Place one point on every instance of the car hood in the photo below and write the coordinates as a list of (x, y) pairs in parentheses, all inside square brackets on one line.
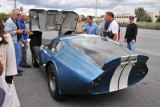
[(52, 20)]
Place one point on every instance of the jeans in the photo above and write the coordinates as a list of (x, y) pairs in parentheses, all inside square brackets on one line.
[(18, 53), (132, 46), (24, 53)]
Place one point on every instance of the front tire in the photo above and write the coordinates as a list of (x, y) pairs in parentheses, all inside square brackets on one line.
[(53, 82)]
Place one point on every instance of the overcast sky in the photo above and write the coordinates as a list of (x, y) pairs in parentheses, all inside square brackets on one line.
[(85, 7)]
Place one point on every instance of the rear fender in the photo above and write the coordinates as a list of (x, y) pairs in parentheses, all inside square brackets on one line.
[(46, 69), (120, 73)]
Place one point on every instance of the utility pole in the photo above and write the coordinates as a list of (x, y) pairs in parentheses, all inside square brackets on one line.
[(152, 16), (21, 9), (96, 11), (15, 4), (55, 4), (123, 16)]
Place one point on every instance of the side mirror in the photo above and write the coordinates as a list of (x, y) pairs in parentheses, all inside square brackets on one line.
[(54, 50)]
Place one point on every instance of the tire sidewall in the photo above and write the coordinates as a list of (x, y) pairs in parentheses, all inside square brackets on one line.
[(35, 63), (54, 94)]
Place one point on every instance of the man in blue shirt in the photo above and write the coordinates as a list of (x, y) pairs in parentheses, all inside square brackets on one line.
[(90, 27), (24, 42)]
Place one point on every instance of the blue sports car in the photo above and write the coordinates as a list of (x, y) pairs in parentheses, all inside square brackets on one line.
[(82, 63)]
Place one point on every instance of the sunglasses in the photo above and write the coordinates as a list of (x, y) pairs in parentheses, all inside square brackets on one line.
[(18, 14)]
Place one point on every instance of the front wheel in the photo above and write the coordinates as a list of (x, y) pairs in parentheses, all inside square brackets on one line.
[(53, 82)]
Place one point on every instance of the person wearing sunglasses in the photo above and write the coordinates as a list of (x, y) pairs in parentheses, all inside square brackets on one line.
[(21, 22), (13, 28)]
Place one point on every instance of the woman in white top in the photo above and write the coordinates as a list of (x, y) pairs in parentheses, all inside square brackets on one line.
[(2, 93), (9, 70)]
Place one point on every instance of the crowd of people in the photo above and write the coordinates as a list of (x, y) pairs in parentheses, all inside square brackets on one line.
[(13, 53), (13, 47), (110, 28)]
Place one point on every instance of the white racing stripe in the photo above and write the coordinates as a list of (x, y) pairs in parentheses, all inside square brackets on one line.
[(119, 79), (115, 79), (123, 82)]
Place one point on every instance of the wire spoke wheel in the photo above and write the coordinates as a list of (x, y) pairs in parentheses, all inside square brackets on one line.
[(52, 82)]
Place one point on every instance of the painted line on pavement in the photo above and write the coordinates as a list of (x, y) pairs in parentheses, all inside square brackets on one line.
[(149, 52)]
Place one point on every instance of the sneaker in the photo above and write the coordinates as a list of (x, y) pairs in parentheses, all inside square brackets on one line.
[(26, 66), (19, 74), (19, 71)]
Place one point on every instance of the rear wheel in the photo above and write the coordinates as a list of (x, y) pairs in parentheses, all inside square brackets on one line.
[(34, 61), (35, 51), (53, 83)]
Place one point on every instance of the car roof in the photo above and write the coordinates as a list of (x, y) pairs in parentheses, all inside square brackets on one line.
[(98, 49)]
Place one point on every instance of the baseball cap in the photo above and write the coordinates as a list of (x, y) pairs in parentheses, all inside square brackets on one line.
[(131, 17)]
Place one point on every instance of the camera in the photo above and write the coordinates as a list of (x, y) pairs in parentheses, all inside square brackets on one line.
[(105, 33), (24, 32)]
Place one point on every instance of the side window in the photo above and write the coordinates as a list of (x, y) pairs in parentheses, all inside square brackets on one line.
[(59, 45), (56, 46)]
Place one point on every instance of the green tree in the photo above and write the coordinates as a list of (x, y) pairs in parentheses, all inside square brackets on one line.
[(4, 16), (83, 18), (102, 15), (93, 16), (148, 18), (158, 20), (141, 14)]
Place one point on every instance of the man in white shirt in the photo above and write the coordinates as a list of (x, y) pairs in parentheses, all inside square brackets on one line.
[(113, 28)]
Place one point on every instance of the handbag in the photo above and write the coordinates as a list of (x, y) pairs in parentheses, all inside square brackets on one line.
[(1, 64), (110, 34)]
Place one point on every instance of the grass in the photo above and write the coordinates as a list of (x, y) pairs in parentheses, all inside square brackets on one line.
[(144, 25)]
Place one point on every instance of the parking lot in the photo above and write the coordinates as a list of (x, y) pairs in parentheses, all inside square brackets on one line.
[(32, 87)]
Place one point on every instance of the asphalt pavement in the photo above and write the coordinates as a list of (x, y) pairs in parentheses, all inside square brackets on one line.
[(32, 87)]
